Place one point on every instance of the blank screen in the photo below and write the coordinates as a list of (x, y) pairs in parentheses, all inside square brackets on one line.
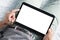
[(34, 19)]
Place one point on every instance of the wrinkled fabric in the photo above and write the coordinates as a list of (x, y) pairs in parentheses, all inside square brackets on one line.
[(12, 34)]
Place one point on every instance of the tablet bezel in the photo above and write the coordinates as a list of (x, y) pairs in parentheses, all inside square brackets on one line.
[(32, 30)]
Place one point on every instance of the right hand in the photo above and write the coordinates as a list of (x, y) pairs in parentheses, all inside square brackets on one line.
[(49, 35)]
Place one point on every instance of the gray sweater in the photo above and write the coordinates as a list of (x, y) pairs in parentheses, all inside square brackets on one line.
[(12, 34)]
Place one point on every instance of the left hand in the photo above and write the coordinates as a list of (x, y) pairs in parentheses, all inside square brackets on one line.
[(9, 18), (12, 15)]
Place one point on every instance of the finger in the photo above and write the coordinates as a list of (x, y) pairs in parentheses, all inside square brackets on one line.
[(12, 16), (50, 34), (45, 38), (15, 10), (50, 31)]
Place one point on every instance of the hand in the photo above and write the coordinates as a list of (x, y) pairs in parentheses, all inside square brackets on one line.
[(12, 15), (49, 35)]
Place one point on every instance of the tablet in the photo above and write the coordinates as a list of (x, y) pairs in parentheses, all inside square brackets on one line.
[(34, 18)]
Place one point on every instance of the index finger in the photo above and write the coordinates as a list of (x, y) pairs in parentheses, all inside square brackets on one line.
[(15, 10)]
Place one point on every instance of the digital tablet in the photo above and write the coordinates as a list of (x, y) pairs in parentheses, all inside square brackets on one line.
[(34, 19)]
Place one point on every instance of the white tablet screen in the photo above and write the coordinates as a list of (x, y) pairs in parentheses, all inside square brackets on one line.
[(34, 19)]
